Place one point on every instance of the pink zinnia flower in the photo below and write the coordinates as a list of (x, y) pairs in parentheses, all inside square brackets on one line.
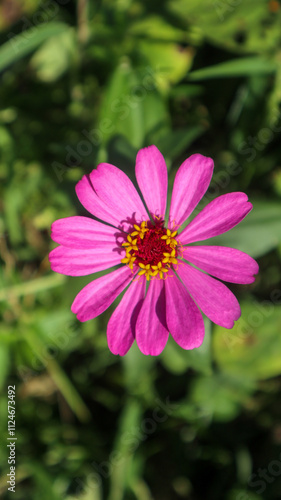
[(164, 291)]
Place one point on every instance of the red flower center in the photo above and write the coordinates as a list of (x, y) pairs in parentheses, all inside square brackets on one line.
[(152, 248)]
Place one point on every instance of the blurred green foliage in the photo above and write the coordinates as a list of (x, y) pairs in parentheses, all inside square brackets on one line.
[(84, 82)]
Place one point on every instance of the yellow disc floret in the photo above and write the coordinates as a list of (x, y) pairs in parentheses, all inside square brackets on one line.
[(152, 249), (169, 237)]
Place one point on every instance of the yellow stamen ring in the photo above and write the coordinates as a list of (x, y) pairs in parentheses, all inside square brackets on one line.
[(145, 250)]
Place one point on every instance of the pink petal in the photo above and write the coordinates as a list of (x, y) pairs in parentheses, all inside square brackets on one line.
[(225, 263), (83, 232), (219, 216), (151, 327), (190, 185), (152, 177), (184, 319), (98, 295), (212, 296), (97, 207), (84, 261), (118, 192), (121, 326)]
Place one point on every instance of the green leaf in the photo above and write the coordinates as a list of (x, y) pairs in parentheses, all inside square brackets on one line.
[(26, 42), (176, 142), (50, 63), (4, 362), (161, 44), (246, 66), (169, 62), (156, 117), (126, 443), (14, 200), (44, 482), (252, 348), (7, 147), (121, 111), (243, 26), (32, 287), (131, 107), (58, 375), (156, 28), (258, 233), (239, 494), (274, 101), (221, 396)]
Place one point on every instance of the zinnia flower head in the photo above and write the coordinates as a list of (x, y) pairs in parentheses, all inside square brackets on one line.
[(156, 261)]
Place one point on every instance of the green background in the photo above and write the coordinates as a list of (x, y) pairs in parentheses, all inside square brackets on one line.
[(85, 82)]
